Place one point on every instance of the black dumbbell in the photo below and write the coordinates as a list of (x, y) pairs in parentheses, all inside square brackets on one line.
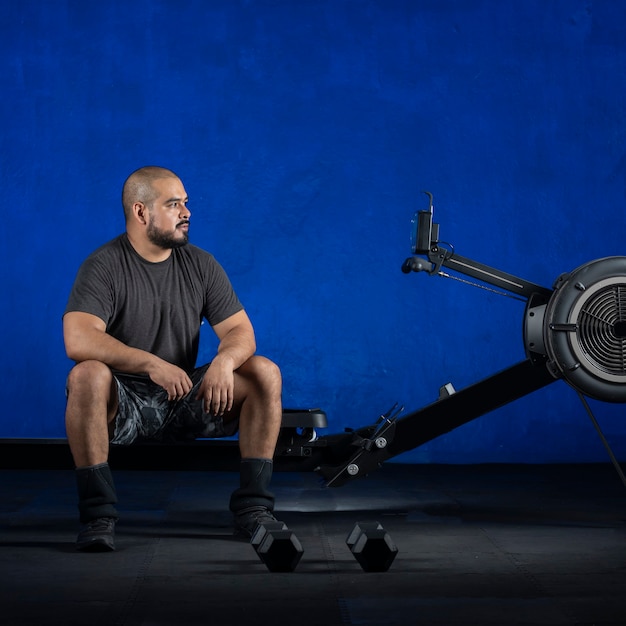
[(372, 546), (277, 546)]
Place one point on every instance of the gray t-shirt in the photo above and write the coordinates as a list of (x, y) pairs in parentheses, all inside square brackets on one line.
[(157, 307)]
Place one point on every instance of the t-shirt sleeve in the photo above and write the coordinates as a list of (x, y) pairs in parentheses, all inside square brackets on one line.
[(221, 301), (92, 291)]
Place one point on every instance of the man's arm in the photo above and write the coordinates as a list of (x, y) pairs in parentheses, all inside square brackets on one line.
[(237, 344), (86, 339)]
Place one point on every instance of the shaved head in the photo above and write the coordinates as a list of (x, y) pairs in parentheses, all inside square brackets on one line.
[(139, 187)]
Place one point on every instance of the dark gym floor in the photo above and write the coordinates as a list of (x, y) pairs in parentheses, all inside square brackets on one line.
[(486, 545)]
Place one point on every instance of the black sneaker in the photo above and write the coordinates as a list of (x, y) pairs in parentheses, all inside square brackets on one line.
[(97, 535), (248, 520)]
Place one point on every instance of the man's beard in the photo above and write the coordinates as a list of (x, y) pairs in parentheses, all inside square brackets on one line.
[(166, 240)]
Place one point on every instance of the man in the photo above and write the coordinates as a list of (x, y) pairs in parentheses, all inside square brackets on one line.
[(132, 326)]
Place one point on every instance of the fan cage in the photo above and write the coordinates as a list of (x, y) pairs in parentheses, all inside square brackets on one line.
[(601, 329)]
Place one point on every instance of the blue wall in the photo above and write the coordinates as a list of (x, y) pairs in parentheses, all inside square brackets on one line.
[(305, 132)]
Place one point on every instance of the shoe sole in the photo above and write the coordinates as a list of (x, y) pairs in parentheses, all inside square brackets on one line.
[(96, 545)]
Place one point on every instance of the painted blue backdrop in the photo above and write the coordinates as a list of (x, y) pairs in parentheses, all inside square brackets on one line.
[(305, 132)]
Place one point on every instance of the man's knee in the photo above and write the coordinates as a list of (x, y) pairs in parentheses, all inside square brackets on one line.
[(89, 375), (264, 373)]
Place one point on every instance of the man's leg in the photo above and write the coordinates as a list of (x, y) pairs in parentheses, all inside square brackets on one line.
[(258, 402), (91, 405)]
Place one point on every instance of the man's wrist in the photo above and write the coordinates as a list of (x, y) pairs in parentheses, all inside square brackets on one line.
[(223, 359)]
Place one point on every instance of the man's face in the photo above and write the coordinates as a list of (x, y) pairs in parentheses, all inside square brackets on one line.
[(168, 216)]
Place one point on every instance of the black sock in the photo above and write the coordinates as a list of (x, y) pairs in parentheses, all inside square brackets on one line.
[(255, 477), (96, 492)]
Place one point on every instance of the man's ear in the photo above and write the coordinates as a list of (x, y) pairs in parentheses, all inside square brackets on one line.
[(140, 212)]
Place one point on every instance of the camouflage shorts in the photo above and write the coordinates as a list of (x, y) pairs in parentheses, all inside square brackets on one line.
[(144, 412)]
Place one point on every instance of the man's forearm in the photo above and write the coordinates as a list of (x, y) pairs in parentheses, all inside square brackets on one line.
[(115, 354), (84, 342), (86, 339), (237, 346)]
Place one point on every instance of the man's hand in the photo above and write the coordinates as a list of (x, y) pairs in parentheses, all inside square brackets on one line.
[(217, 389), (173, 379), (237, 345)]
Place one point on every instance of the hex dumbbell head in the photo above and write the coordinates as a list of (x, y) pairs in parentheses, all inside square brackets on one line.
[(277, 546), (263, 529), (358, 529), (372, 546)]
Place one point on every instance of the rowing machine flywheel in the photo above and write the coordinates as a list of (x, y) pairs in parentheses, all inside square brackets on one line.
[(582, 329)]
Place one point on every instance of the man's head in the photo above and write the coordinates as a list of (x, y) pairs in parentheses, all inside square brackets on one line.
[(155, 206)]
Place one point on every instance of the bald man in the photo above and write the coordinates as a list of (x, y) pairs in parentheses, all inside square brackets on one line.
[(132, 327)]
